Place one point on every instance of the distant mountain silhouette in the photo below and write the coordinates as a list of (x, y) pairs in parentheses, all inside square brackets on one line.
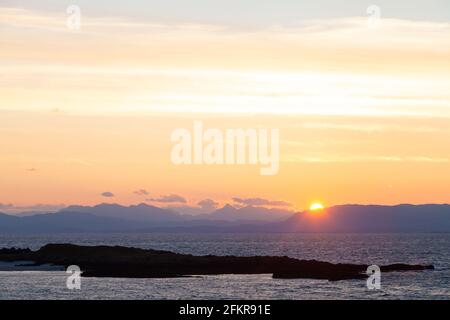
[(372, 218), (145, 218), (141, 212), (148, 213), (249, 213), (64, 222)]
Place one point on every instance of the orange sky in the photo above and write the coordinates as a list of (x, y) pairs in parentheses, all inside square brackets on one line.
[(363, 114)]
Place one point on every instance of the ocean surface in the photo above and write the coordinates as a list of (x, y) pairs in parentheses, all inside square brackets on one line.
[(353, 248)]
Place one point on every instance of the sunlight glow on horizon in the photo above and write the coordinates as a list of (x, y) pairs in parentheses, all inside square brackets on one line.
[(316, 206)]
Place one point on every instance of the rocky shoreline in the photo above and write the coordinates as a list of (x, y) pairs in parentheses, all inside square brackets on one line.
[(125, 262)]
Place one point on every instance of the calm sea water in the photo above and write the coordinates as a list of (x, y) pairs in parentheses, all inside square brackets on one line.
[(354, 248)]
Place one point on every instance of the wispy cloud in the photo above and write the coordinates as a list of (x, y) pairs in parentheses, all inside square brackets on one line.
[(141, 192), (368, 127), (107, 194), (6, 205), (208, 204), (169, 198), (261, 202), (199, 75), (10, 208), (356, 158)]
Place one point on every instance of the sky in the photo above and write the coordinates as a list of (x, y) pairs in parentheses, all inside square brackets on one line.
[(362, 101)]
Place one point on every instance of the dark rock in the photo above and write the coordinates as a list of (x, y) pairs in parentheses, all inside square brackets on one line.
[(13, 251), (108, 261)]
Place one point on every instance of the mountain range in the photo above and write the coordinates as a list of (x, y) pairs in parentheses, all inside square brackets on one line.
[(147, 218)]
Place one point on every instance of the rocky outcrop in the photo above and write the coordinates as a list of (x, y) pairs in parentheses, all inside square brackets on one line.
[(108, 261), (12, 251)]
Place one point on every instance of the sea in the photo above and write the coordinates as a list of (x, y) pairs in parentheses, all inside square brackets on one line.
[(372, 249)]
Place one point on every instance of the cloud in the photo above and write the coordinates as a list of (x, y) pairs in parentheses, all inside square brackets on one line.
[(42, 207), (203, 207), (169, 198), (351, 158), (141, 192), (261, 202), (186, 209), (31, 169), (107, 194), (371, 128), (6, 205), (10, 208), (207, 204), (330, 44)]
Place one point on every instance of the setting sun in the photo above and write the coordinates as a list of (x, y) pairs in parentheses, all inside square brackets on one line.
[(316, 206)]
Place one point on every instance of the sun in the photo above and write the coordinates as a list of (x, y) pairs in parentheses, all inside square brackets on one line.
[(316, 206)]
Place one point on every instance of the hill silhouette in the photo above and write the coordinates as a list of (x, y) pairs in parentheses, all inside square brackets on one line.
[(124, 262), (144, 218)]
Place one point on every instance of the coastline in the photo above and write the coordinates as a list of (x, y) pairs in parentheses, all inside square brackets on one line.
[(128, 262)]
